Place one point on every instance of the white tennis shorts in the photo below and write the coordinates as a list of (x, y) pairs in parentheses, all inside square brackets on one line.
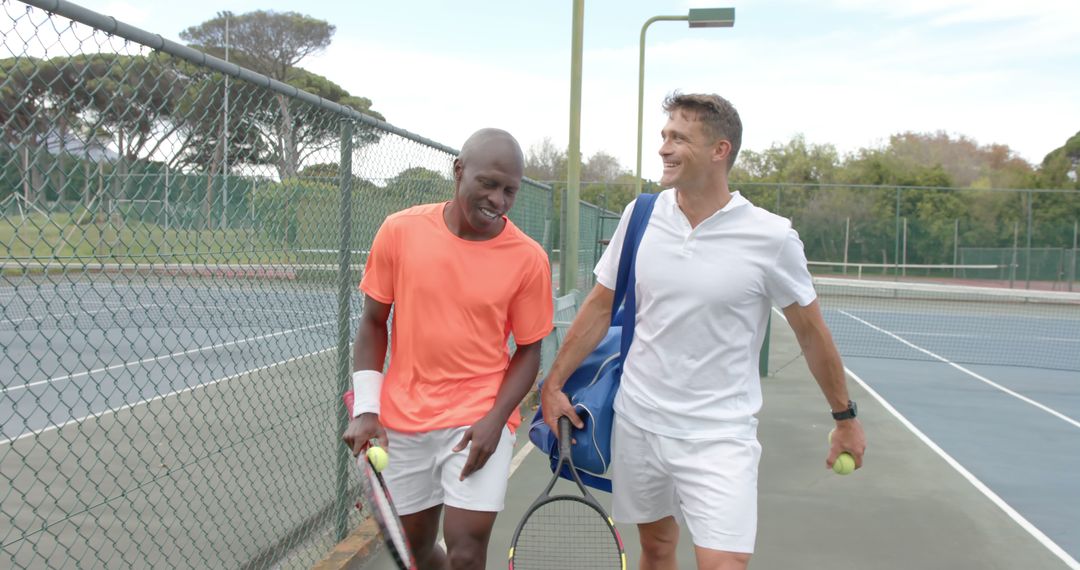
[(423, 472), (711, 485)]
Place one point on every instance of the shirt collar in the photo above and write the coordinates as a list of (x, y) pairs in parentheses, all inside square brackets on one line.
[(737, 200)]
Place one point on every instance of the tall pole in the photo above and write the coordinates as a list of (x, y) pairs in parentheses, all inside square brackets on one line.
[(166, 196), (697, 18), (641, 90), (346, 282), (225, 141), (568, 265)]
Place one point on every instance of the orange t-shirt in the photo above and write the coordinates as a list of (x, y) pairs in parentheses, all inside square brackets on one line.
[(456, 302)]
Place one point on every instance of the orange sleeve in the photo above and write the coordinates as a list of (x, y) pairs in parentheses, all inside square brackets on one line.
[(531, 310), (379, 271)]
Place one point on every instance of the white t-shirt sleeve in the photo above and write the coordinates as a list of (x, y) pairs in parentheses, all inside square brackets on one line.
[(788, 280), (607, 269)]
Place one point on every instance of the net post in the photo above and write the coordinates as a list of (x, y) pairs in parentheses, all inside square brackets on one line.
[(1072, 264), (341, 506)]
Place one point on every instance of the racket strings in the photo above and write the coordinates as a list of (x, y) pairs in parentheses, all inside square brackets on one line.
[(566, 534)]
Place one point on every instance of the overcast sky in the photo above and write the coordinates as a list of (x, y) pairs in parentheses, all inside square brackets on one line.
[(844, 72)]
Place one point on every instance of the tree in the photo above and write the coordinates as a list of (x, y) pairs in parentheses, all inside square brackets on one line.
[(83, 100), (258, 132), (545, 162), (1061, 166), (273, 44), (419, 184), (265, 41), (601, 167), (794, 162)]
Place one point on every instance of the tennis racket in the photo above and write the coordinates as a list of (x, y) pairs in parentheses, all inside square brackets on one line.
[(566, 531), (382, 508)]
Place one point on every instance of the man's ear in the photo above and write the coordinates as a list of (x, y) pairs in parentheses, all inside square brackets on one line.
[(721, 150), (459, 170)]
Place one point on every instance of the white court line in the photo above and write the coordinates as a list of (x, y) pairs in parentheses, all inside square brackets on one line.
[(156, 358), (163, 396), (974, 375), (57, 316), (519, 457), (975, 482)]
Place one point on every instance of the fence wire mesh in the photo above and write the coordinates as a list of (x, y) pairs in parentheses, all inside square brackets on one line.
[(1007, 238), (181, 250)]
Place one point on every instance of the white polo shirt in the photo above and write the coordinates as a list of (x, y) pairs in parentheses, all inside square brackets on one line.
[(703, 300)]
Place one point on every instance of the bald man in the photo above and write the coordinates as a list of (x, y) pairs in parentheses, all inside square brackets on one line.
[(461, 277)]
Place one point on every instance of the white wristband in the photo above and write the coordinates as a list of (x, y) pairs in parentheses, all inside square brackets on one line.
[(367, 387)]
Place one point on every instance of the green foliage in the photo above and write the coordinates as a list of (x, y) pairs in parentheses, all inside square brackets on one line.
[(796, 161), (265, 41), (421, 185)]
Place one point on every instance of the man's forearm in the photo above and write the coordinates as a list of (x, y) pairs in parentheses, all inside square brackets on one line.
[(369, 350), (820, 350), (826, 367), (520, 376), (589, 328)]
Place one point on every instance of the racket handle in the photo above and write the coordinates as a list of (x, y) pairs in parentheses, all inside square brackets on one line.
[(564, 436)]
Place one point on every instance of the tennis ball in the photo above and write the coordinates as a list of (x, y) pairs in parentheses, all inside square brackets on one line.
[(844, 464), (378, 458)]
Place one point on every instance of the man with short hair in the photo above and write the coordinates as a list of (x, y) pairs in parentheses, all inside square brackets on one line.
[(710, 266), (461, 278)]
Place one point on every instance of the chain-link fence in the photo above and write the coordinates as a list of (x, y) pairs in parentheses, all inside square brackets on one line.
[(181, 242), (1011, 238), (1025, 238)]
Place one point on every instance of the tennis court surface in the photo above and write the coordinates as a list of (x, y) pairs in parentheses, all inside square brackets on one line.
[(969, 465)]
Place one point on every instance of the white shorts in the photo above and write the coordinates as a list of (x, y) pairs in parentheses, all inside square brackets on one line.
[(711, 484), (423, 472)]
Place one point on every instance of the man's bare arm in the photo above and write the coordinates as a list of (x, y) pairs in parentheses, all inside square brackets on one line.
[(588, 329)]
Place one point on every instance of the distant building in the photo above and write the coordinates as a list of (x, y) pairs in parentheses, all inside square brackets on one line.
[(73, 145)]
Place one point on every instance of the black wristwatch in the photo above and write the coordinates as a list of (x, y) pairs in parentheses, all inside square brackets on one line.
[(849, 413)]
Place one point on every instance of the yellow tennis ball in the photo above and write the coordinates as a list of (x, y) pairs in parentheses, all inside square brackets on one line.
[(378, 458), (844, 464)]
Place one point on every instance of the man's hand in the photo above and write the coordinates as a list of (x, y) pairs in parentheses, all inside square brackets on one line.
[(484, 436), (360, 432), (848, 436), (556, 404)]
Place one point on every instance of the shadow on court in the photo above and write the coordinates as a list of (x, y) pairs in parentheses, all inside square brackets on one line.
[(907, 508)]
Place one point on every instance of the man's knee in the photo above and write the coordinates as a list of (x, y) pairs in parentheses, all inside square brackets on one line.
[(467, 534), (468, 555), (659, 539), (709, 559)]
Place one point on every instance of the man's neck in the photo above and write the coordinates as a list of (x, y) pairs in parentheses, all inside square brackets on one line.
[(698, 203), (455, 221)]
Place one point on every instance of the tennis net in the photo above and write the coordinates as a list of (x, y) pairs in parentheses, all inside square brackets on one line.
[(961, 324)]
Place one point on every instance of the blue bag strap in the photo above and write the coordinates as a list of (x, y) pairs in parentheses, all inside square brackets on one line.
[(625, 280)]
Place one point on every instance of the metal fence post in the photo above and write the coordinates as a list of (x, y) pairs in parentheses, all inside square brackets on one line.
[(344, 359)]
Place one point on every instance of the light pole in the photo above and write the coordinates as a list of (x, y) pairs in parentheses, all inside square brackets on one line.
[(697, 18), (568, 258)]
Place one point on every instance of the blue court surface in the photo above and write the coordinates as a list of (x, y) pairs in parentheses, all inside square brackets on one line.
[(969, 465), (78, 349)]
